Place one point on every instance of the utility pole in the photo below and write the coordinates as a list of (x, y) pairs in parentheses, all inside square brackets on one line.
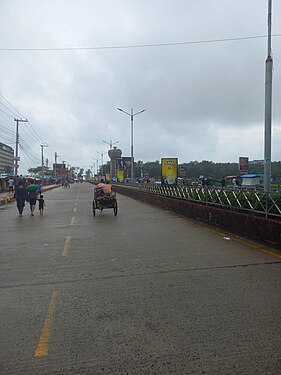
[(42, 157), (62, 166), (55, 169), (17, 143), (268, 107), (56, 158)]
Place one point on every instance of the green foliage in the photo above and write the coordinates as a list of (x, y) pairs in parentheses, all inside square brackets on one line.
[(38, 171), (195, 169)]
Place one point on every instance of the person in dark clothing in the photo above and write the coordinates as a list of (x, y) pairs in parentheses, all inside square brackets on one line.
[(41, 204), (32, 191), (20, 196)]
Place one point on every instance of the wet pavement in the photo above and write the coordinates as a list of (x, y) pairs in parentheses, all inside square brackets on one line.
[(145, 292)]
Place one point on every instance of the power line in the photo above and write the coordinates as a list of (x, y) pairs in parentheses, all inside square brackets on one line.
[(7, 139), (34, 132), (11, 106), (34, 135), (6, 113), (141, 45), (7, 130), (26, 159), (8, 109), (31, 157)]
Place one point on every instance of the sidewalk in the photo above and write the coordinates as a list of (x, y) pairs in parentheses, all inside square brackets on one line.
[(9, 198)]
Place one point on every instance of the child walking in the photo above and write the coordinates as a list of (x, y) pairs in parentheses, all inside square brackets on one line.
[(41, 204)]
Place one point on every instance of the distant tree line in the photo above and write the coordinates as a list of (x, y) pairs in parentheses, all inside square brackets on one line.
[(195, 169)]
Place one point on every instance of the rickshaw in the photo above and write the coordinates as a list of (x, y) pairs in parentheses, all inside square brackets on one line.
[(102, 201)]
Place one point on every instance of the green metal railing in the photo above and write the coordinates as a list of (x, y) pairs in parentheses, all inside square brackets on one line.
[(268, 205)]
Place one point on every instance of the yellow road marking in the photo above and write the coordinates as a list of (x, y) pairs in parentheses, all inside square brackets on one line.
[(66, 246), (43, 345), (72, 221)]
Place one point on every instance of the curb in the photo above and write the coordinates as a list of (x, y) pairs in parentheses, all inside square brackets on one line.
[(6, 200)]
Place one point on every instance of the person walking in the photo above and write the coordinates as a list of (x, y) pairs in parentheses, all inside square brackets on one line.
[(11, 184), (41, 201), (20, 196), (32, 192)]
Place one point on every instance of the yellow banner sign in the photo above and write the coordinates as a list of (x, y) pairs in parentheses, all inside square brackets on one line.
[(169, 171)]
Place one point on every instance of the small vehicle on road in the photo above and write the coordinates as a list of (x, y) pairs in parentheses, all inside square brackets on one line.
[(102, 201)]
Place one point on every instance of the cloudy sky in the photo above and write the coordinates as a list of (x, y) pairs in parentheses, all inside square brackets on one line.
[(67, 65)]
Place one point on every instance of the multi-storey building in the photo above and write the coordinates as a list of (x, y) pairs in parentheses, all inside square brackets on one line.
[(6, 158)]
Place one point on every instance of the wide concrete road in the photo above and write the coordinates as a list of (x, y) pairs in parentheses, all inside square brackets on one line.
[(146, 292)]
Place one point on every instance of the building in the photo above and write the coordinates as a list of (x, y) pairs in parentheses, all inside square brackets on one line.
[(6, 159), (60, 170)]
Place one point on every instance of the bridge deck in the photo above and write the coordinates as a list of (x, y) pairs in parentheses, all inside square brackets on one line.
[(145, 292)]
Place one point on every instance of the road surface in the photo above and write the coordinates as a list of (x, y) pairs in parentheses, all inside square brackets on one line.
[(145, 292)]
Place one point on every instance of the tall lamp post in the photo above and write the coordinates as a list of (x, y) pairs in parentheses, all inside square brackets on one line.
[(268, 107), (132, 115), (55, 169), (42, 156), (96, 164), (110, 143), (62, 172), (101, 154)]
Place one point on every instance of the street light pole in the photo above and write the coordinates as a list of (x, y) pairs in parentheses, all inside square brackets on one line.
[(42, 156), (56, 161), (62, 166), (110, 143), (101, 153), (268, 107), (132, 115)]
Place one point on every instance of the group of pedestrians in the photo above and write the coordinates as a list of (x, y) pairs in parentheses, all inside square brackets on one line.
[(29, 194)]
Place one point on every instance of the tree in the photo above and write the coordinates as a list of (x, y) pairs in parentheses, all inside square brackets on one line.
[(38, 171), (88, 174)]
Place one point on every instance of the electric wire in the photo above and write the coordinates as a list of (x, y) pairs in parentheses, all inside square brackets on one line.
[(33, 158), (28, 133), (143, 45), (11, 105), (6, 113), (7, 136), (6, 140), (7, 130), (8, 109), (32, 131), (32, 134), (26, 157), (25, 143)]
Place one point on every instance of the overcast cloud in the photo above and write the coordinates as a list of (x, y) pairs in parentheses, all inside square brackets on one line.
[(203, 101)]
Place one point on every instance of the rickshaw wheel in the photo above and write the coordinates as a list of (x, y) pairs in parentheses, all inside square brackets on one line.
[(94, 208), (115, 208)]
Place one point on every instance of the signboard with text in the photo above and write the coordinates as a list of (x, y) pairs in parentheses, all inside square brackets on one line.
[(169, 171), (243, 164)]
